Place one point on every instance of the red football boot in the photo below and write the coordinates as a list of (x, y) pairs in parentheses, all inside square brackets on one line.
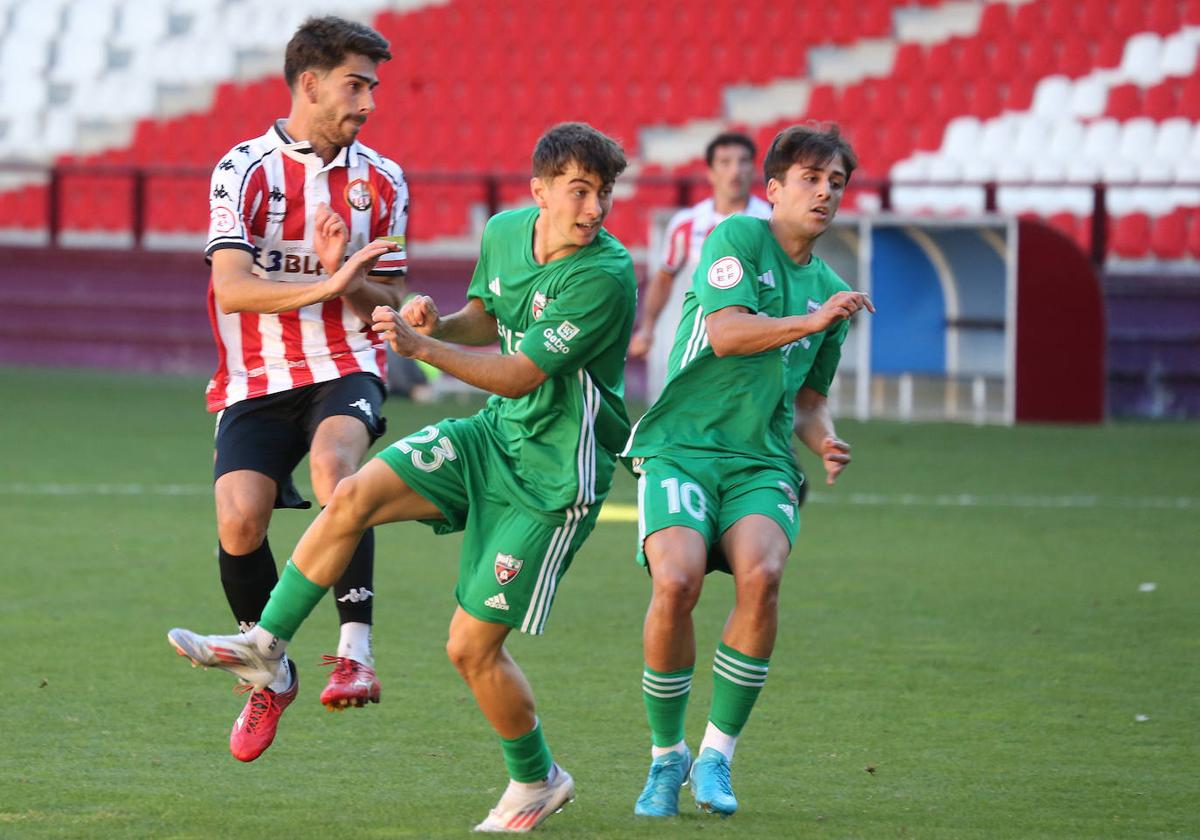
[(351, 684), (254, 730)]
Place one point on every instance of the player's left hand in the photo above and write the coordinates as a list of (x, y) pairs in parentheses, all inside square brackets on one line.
[(395, 330), (835, 456), (330, 237)]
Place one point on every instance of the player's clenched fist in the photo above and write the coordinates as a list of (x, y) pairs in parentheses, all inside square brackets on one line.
[(394, 329), (420, 313)]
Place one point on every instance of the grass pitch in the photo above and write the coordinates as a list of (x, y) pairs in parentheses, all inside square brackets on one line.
[(985, 633)]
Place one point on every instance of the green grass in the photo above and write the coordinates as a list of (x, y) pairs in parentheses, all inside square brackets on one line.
[(987, 662)]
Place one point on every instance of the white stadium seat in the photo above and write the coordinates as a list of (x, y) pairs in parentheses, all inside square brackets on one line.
[(1140, 63), (961, 138), (1138, 137), (1088, 97), (1052, 96), (1178, 57), (1100, 140)]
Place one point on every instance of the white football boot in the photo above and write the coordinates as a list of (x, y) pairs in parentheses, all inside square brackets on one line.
[(234, 654), (523, 808)]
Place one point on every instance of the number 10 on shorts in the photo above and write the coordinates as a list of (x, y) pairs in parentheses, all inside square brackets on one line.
[(686, 496)]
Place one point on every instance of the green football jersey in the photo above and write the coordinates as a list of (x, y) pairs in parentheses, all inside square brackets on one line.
[(741, 405), (573, 318)]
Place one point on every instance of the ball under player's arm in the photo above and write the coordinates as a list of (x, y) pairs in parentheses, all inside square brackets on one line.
[(658, 292), (411, 333), (238, 289), (736, 331), (814, 427)]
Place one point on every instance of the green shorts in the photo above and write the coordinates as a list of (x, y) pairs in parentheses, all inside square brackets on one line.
[(512, 559), (708, 495)]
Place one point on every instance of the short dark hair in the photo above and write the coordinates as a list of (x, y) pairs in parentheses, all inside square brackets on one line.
[(807, 144), (578, 143), (728, 138), (323, 43)]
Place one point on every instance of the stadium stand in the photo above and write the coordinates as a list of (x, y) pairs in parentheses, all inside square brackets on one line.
[(1044, 99)]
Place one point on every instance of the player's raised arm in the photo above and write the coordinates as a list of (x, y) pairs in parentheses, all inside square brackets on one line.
[(513, 375), (735, 331)]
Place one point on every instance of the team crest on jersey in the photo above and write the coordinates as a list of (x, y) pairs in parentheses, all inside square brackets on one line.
[(507, 568), (540, 302), (223, 220), (725, 273), (360, 194), (813, 306)]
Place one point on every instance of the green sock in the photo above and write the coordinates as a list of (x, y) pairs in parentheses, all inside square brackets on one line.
[(737, 681), (666, 696), (292, 599), (528, 758)]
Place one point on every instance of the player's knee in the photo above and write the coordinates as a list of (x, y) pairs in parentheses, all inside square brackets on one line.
[(464, 656), (676, 589), (762, 579), (350, 503), (241, 532), (328, 470)]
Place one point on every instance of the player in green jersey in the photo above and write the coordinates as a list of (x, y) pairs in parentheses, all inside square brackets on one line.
[(757, 347), (524, 477)]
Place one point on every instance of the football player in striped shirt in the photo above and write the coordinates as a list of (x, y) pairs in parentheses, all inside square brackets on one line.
[(299, 370), (762, 326), (524, 478)]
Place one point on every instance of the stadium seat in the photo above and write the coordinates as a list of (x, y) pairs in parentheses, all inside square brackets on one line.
[(1130, 236), (1168, 236), (1124, 102)]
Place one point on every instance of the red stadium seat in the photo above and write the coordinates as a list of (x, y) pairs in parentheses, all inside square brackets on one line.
[(1168, 237), (1130, 236), (1027, 20), (1128, 17), (994, 22), (909, 63), (984, 100), (1191, 13), (1004, 60), (1109, 49), (1074, 55), (1041, 56), (1193, 234), (1124, 102), (1162, 17), (1066, 223), (1189, 99), (1160, 101)]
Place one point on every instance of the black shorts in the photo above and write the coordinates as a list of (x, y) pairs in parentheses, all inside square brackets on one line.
[(272, 434)]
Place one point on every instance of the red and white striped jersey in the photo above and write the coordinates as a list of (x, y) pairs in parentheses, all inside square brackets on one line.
[(690, 226), (264, 199)]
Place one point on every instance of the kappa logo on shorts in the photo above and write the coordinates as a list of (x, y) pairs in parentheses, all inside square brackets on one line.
[(507, 567), (497, 602), (788, 512), (362, 405), (725, 273), (494, 286)]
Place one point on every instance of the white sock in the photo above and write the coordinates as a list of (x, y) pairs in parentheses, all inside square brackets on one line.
[(267, 644), (719, 741), (680, 748), (514, 785), (355, 643), (283, 681)]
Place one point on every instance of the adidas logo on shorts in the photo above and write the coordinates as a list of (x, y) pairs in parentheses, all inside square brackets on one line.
[(497, 602)]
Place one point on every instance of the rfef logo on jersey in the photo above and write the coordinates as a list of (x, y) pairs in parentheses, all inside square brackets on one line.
[(507, 567), (360, 194), (223, 219), (540, 302), (725, 273)]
